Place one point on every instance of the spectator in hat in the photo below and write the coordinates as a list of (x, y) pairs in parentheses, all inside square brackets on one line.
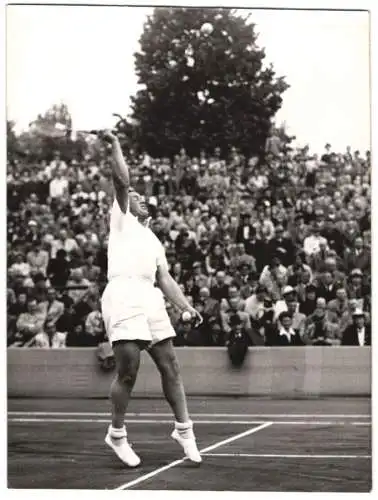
[(284, 334), (359, 332), (356, 288), (281, 305)]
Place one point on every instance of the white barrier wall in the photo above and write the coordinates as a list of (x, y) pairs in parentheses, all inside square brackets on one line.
[(267, 371)]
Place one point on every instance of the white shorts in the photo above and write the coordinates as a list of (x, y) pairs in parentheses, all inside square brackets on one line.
[(135, 311)]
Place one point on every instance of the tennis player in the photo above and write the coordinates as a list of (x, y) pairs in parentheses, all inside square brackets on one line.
[(134, 312)]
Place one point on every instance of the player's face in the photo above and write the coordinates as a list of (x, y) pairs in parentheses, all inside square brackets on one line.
[(138, 205)]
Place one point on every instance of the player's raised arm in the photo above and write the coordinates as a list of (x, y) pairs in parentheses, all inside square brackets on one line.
[(120, 170)]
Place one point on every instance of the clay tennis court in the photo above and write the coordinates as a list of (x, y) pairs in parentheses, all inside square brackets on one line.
[(247, 444)]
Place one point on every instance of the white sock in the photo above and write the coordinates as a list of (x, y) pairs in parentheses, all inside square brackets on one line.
[(185, 429), (117, 433)]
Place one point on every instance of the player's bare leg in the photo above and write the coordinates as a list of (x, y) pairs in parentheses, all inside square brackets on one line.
[(166, 361), (127, 355)]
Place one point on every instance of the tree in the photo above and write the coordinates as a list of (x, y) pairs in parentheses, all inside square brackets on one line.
[(200, 91), (13, 148)]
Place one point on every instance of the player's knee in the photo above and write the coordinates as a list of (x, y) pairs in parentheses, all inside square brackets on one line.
[(127, 373), (169, 367), (128, 357)]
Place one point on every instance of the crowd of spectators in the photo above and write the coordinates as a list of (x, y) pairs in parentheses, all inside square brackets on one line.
[(275, 249)]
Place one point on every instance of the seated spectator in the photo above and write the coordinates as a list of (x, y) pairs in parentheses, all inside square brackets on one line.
[(177, 272), (281, 241), (340, 304), (359, 332), (284, 334), (13, 313), (298, 318), (77, 285), (188, 335), (191, 289), (58, 270), (49, 338), (307, 305), (254, 304), (38, 259), (219, 288), (94, 327), (90, 271), (186, 249), (29, 324), (295, 271), (355, 287), (232, 310), (315, 241), (64, 242), (51, 308), (288, 295), (241, 258), (319, 328), (273, 276), (216, 260), (20, 266), (67, 322), (358, 256), (200, 278), (233, 293), (326, 286), (245, 280)]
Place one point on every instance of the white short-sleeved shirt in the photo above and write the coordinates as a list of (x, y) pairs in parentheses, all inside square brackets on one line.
[(133, 250)]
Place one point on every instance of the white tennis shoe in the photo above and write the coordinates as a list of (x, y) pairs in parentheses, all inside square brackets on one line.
[(123, 450), (189, 446)]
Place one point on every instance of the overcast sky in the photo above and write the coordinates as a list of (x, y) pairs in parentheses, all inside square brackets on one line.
[(84, 57)]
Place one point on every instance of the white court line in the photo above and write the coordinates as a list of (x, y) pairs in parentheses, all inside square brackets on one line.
[(131, 421), (161, 421), (204, 450), (194, 415), (255, 455)]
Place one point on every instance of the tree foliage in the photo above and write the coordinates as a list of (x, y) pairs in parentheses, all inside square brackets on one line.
[(200, 91)]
